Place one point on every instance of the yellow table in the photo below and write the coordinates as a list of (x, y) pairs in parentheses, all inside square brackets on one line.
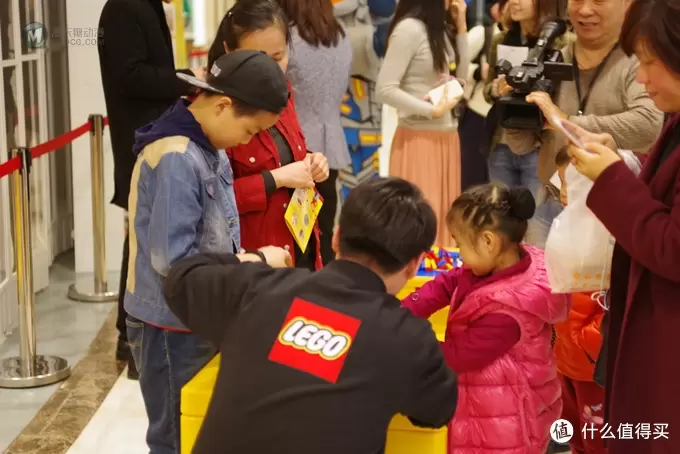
[(402, 436)]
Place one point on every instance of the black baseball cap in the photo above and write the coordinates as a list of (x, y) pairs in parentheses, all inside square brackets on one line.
[(249, 76)]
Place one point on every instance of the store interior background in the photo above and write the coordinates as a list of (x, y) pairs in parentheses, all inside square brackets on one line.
[(47, 92)]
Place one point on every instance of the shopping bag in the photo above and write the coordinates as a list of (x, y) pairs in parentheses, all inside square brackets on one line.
[(579, 248), (578, 251)]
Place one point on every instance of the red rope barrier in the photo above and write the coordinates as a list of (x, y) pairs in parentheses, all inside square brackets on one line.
[(10, 166), (61, 141), (198, 53)]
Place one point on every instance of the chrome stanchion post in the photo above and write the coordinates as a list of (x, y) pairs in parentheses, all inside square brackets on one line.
[(28, 370), (96, 291)]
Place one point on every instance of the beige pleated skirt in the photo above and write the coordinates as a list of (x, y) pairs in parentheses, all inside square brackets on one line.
[(430, 160)]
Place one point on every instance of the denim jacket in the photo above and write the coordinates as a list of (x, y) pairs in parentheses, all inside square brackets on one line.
[(181, 203)]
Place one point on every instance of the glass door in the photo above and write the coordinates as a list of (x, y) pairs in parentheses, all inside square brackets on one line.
[(58, 123), (33, 97), (8, 118), (24, 116)]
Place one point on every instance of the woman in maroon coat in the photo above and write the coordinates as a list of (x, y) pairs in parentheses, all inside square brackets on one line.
[(275, 162), (643, 372)]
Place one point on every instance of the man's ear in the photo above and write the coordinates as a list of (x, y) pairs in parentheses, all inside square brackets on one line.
[(412, 267), (226, 48)]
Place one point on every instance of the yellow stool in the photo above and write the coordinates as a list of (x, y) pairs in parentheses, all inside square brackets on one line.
[(402, 436)]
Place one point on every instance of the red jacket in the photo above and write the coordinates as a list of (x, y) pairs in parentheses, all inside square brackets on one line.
[(262, 217), (578, 340), (643, 215)]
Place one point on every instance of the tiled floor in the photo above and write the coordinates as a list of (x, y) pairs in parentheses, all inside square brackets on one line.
[(64, 328), (119, 426)]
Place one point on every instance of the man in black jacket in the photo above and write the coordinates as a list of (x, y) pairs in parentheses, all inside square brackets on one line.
[(140, 83), (320, 362)]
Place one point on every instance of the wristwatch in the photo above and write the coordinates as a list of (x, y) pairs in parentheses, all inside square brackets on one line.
[(259, 254)]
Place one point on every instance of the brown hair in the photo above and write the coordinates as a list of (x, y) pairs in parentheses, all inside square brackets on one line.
[(314, 20), (430, 13), (562, 158), (546, 10), (654, 23), (243, 18)]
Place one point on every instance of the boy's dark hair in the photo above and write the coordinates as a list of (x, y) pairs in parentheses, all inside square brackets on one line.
[(494, 207), (562, 157), (386, 220), (246, 16), (241, 108)]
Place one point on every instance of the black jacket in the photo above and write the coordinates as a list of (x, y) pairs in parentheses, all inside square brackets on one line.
[(311, 362), (138, 76)]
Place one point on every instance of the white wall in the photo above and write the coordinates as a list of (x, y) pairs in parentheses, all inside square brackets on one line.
[(87, 98), (389, 126)]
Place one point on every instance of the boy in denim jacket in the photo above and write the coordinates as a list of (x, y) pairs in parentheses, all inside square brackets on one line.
[(181, 203)]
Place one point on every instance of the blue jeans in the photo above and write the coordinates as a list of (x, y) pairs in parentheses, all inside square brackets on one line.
[(514, 170), (547, 209), (166, 361)]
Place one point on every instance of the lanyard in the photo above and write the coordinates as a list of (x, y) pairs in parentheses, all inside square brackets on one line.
[(583, 101)]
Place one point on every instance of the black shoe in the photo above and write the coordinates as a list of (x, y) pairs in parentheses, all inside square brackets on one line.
[(558, 448), (123, 351), (133, 373)]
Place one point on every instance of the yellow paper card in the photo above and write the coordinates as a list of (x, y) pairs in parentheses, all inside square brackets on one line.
[(301, 215)]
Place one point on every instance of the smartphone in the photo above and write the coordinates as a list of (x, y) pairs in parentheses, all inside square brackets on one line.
[(454, 91), (557, 122)]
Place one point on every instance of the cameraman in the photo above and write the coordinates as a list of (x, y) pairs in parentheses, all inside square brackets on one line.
[(513, 159), (603, 98)]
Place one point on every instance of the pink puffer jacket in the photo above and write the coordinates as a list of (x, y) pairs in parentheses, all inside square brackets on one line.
[(508, 407)]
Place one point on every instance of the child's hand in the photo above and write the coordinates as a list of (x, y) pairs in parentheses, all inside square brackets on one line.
[(588, 416)]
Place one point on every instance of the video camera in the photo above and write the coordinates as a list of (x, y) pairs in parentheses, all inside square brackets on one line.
[(539, 72)]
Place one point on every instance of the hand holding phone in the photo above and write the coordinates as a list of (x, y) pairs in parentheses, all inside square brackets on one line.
[(559, 125), (572, 130)]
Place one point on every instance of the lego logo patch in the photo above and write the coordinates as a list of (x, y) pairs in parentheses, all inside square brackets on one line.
[(315, 340)]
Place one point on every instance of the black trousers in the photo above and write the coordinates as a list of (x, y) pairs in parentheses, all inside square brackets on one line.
[(473, 163), (326, 218), (122, 315)]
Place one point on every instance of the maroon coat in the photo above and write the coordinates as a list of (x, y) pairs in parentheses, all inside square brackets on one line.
[(643, 370)]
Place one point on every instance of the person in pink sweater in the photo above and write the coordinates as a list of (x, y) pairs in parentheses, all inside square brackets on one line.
[(499, 326)]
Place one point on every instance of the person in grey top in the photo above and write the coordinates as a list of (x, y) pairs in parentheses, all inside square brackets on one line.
[(319, 70), (427, 42)]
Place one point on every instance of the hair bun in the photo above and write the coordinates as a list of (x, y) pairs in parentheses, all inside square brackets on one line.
[(522, 203)]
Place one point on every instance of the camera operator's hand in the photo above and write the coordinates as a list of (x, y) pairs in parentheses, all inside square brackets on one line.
[(551, 112), (458, 10), (500, 87)]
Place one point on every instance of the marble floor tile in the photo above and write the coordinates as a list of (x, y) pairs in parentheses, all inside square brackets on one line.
[(118, 426), (64, 328), (64, 416)]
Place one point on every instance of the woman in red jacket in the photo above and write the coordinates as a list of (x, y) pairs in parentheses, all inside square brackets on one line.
[(275, 162), (643, 215)]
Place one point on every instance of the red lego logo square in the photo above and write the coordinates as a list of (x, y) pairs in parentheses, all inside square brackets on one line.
[(315, 340)]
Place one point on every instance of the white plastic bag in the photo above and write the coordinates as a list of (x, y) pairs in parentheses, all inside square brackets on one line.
[(578, 251)]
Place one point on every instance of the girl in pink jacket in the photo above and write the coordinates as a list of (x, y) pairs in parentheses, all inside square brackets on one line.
[(499, 326)]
